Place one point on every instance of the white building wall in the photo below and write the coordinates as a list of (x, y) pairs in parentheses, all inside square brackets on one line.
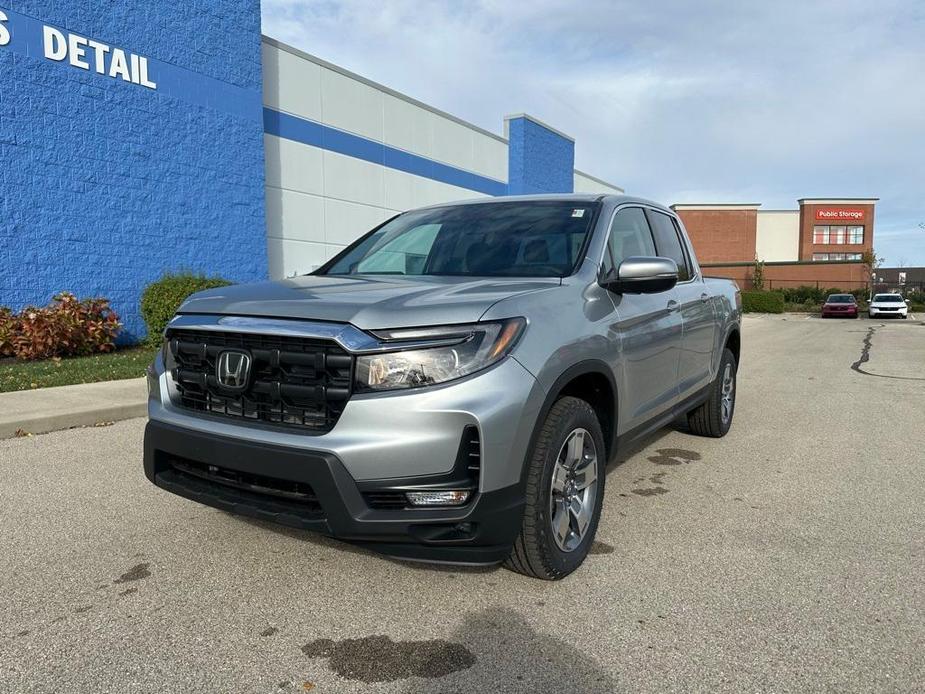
[(585, 183), (777, 235), (318, 200)]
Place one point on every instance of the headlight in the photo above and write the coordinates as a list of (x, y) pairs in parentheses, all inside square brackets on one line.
[(459, 351)]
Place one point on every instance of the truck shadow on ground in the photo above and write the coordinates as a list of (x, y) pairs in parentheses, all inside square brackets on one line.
[(341, 546), (512, 656), (493, 650)]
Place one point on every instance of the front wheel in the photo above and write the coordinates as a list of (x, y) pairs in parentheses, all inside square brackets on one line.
[(714, 417), (564, 494)]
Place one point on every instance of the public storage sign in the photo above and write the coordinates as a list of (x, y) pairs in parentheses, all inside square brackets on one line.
[(839, 214), (86, 54)]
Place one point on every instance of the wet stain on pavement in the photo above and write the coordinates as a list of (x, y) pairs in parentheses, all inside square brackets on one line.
[(24, 632), (598, 547), (673, 456), (127, 591), (379, 659), (136, 573), (84, 608), (650, 491), (269, 631)]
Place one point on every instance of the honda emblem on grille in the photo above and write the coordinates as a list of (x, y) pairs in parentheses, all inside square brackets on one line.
[(233, 368)]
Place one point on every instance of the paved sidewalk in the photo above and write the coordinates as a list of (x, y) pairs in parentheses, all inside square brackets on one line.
[(49, 409)]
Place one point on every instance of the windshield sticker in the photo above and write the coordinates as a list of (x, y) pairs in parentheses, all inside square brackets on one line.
[(578, 213)]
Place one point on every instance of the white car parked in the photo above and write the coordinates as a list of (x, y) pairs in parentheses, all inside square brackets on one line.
[(888, 305)]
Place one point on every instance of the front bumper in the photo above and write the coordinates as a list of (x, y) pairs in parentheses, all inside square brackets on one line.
[(480, 532), (382, 442), (887, 312), (849, 313)]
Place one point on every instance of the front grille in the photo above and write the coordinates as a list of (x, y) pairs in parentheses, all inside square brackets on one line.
[(233, 487), (293, 381), (386, 501), (259, 484)]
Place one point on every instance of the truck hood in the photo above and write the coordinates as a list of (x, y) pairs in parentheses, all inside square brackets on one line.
[(368, 302)]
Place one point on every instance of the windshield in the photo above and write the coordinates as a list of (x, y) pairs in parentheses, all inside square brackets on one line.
[(840, 299), (889, 299), (498, 239)]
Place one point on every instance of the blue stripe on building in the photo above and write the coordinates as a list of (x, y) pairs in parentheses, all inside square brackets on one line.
[(316, 134)]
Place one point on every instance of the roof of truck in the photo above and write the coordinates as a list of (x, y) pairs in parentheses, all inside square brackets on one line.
[(548, 197)]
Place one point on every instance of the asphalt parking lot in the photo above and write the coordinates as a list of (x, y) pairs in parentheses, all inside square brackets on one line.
[(789, 556)]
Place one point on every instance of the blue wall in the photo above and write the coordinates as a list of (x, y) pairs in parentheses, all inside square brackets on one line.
[(540, 160), (105, 184)]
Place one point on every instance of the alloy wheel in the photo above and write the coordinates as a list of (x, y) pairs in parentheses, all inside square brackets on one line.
[(573, 492), (728, 394)]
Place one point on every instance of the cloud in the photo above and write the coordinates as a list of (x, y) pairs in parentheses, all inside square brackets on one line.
[(677, 101)]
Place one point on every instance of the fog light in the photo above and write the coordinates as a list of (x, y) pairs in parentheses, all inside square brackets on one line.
[(455, 497)]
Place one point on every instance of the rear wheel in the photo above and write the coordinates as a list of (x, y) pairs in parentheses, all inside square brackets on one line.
[(564, 494), (714, 416)]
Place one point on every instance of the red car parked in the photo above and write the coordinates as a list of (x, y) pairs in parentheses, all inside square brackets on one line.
[(844, 305)]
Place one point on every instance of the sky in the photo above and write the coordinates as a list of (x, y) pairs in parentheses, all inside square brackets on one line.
[(674, 101)]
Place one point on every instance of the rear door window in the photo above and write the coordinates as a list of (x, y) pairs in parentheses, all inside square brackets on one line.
[(668, 242)]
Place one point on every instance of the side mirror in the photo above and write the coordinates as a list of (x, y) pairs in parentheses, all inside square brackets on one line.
[(643, 275)]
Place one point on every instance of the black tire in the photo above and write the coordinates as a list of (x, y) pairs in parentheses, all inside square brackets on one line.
[(535, 552), (708, 419)]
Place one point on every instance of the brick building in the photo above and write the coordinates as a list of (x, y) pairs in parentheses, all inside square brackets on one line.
[(899, 279), (822, 242)]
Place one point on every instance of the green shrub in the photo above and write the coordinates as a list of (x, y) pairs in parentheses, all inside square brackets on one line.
[(816, 296), (860, 294), (161, 299), (67, 327), (805, 293), (916, 297), (762, 302)]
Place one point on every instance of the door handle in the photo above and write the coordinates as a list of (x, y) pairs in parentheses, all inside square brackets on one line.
[(672, 305), (704, 297)]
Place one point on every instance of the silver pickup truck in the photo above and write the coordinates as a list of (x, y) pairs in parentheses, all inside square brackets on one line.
[(451, 386)]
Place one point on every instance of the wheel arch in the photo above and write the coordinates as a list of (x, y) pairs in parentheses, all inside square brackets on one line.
[(734, 343), (592, 381)]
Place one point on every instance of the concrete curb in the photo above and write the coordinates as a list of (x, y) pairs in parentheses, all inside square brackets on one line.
[(50, 409)]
